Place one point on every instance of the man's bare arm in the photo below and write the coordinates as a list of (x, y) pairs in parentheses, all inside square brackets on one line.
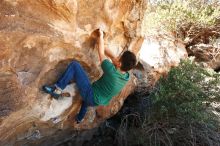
[(101, 48), (109, 53)]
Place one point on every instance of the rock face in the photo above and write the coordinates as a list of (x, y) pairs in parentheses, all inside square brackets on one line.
[(160, 52), (38, 39), (207, 54)]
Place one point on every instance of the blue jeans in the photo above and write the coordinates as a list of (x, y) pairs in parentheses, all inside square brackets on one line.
[(75, 72)]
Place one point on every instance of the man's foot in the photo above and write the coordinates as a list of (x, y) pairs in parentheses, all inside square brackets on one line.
[(53, 91), (77, 120)]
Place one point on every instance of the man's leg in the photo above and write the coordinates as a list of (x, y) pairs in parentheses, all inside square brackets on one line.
[(75, 72), (63, 81), (85, 89), (82, 112), (67, 76)]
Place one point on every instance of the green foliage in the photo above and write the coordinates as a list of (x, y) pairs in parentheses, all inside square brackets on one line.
[(185, 93), (171, 15), (181, 112)]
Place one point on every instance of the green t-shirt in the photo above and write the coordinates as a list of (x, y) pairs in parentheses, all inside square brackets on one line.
[(110, 84)]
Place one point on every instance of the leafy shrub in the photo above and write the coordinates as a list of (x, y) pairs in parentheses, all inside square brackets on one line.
[(181, 111), (186, 92), (174, 15)]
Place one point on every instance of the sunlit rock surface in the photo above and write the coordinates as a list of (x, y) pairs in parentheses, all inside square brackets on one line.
[(38, 38), (208, 54), (160, 52)]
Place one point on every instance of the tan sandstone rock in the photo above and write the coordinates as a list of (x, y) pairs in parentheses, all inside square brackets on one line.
[(160, 52), (38, 38), (208, 54)]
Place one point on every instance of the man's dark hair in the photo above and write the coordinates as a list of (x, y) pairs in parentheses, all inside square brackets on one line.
[(128, 61)]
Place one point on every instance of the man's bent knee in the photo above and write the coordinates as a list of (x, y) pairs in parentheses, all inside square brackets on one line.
[(75, 63)]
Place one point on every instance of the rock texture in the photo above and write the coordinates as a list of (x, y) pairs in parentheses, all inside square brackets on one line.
[(38, 39), (160, 52), (208, 54)]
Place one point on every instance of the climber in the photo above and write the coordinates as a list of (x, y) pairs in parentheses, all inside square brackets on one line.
[(115, 76)]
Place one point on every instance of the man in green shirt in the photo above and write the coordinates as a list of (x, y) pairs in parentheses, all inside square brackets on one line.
[(115, 76)]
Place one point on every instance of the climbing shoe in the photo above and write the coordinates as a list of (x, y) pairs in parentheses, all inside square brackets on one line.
[(77, 119), (53, 91)]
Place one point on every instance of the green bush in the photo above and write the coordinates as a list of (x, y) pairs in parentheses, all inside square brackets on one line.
[(173, 15), (186, 93), (181, 111)]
